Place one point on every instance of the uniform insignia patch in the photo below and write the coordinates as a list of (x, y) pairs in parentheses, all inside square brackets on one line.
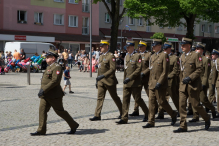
[(209, 64), (177, 62), (200, 59), (57, 72), (167, 59), (113, 59), (139, 60)]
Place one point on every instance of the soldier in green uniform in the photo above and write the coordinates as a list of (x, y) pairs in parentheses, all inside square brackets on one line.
[(215, 80), (145, 73), (106, 80), (51, 95), (158, 83), (211, 94), (191, 67), (132, 82), (204, 77), (172, 89)]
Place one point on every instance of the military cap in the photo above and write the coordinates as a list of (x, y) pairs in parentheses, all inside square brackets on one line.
[(156, 42), (52, 52), (142, 43), (215, 52), (104, 42), (167, 45), (186, 41), (200, 45), (130, 43), (193, 47)]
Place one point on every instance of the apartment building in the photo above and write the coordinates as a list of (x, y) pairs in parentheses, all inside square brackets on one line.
[(139, 29), (62, 22)]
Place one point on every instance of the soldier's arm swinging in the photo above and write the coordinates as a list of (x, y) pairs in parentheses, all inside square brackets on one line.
[(199, 68), (214, 76), (207, 73), (137, 71), (112, 63), (175, 71), (164, 74)]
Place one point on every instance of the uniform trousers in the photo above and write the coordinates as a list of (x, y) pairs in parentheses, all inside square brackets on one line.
[(57, 105), (160, 96), (204, 100), (211, 92), (194, 98), (136, 93), (136, 107), (101, 96)]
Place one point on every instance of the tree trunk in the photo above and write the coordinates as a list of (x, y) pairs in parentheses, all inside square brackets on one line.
[(114, 34), (190, 26)]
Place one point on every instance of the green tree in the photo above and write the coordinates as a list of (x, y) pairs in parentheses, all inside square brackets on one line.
[(115, 15), (159, 35), (171, 12)]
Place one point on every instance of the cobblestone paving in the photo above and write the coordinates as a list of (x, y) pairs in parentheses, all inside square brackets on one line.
[(19, 117)]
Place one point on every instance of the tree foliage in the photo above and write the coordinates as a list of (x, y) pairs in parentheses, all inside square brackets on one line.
[(159, 35), (170, 12)]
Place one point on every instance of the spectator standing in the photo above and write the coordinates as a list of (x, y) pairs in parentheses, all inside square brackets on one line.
[(60, 54), (66, 75), (65, 56), (94, 64), (16, 55), (117, 60), (43, 54), (86, 63), (9, 56), (77, 58), (97, 54), (70, 58), (23, 54)]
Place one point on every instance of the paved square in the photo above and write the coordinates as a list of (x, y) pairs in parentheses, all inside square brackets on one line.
[(19, 107)]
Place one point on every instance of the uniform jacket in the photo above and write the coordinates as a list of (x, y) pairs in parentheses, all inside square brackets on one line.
[(159, 64), (51, 82), (211, 73), (107, 67), (173, 70), (191, 66), (215, 72), (132, 70), (145, 67), (206, 70)]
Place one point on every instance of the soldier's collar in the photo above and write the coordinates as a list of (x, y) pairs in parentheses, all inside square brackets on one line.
[(52, 63), (106, 52), (143, 52), (170, 54), (132, 53), (188, 53)]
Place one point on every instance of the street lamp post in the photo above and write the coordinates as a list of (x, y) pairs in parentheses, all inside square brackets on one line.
[(90, 38)]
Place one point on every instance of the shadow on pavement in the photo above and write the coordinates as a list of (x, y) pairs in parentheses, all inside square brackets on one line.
[(90, 131), (211, 129)]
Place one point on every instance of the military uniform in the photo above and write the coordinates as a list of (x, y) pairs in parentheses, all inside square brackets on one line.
[(172, 89), (215, 80), (211, 91), (106, 69), (132, 84), (51, 95), (158, 83), (203, 94), (191, 67)]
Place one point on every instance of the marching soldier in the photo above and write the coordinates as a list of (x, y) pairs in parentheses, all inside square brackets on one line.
[(191, 67), (215, 80), (204, 78), (211, 91), (106, 80), (132, 82), (158, 83), (51, 95), (145, 73), (172, 89)]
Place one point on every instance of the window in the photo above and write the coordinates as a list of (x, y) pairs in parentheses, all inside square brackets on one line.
[(85, 5), (85, 26), (58, 19), (107, 18), (161, 26), (203, 28), (60, 1), (73, 1), (38, 18), (169, 27), (22, 16), (131, 21), (140, 21), (216, 29), (180, 27), (108, 1), (209, 28), (148, 27), (73, 21)]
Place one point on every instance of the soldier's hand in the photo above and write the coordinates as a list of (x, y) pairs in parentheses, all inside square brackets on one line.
[(213, 86), (168, 78), (157, 86), (100, 77), (126, 80), (203, 87), (142, 75), (96, 86), (41, 92), (186, 80)]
